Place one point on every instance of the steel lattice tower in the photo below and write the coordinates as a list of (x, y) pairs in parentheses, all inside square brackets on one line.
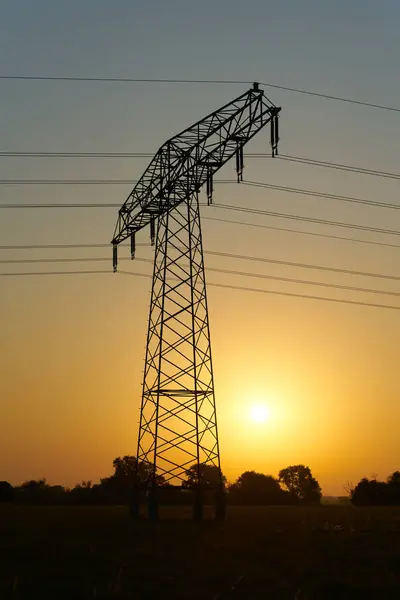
[(178, 422)]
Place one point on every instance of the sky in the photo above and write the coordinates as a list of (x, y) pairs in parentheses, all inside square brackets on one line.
[(72, 347)]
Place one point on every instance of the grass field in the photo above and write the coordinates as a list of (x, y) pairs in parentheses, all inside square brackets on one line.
[(329, 552)]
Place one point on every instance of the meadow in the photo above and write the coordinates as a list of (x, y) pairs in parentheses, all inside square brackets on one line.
[(326, 552)]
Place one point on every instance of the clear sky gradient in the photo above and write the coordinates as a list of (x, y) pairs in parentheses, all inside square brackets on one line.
[(72, 347)]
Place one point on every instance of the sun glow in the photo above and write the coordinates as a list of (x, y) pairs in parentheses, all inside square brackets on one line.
[(259, 413)]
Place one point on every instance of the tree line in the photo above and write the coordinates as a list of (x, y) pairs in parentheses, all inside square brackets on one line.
[(370, 492), (294, 485)]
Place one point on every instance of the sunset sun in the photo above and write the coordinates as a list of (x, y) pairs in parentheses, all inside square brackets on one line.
[(259, 413)]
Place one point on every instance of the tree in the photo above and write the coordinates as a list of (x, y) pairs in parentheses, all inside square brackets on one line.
[(349, 488), (360, 495), (127, 468), (370, 492), (34, 491), (393, 485), (300, 483), (257, 488), (84, 493), (127, 473), (210, 477), (7, 493), (394, 478)]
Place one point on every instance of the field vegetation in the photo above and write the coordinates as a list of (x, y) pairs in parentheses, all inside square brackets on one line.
[(273, 552)]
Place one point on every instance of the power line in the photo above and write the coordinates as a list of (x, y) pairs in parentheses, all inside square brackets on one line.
[(258, 184), (338, 166), (44, 154), (59, 246), (308, 219), (37, 273), (219, 254), (68, 181), (75, 182), (316, 194), (248, 210), (299, 231), (293, 295), (198, 81), (302, 265), (253, 155), (15, 261), (220, 285), (123, 79), (214, 270), (258, 225), (330, 97), (305, 282), (64, 205)]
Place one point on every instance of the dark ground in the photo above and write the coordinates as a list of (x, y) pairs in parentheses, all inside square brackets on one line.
[(329, 552)]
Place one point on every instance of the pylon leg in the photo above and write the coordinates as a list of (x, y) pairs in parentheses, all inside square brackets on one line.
[(178, 423)]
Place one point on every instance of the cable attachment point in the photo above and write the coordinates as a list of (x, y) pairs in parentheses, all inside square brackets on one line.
[(239, 162), (133, 245), (210, 186), (115, 258), (274, 133)]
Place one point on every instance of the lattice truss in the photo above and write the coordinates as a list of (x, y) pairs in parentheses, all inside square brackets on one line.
[(178, 425), (190, 159), (178, 420)]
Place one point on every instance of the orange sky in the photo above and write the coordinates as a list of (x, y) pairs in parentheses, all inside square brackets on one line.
[(71, 379), (72, 347)]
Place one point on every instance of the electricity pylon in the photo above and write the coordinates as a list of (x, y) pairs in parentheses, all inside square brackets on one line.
[(178, 421)]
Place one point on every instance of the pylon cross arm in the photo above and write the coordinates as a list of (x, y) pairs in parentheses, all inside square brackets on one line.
[(189, 160)]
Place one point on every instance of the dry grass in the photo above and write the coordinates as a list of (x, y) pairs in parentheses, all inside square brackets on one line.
[(328, 552)]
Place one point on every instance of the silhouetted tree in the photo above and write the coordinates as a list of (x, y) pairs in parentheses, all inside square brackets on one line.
[(84, 493), (300, 483), (127, 473), (370, 492), (127, 467), (34, 490), (7, 493), (55, 494), (360, 494), (40, 492), (394, 478), (393, 484), (300, 487), (349, 488), (256, 488), (210, 477)]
